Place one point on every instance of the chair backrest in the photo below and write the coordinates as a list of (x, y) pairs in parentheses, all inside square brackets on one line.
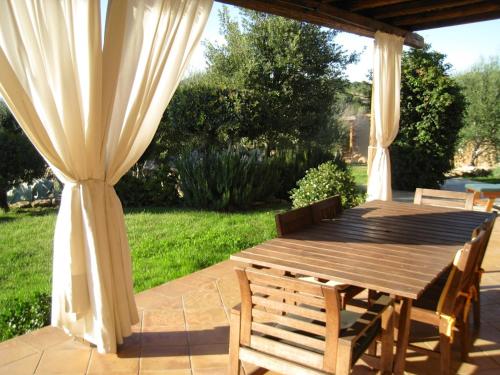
[(293, 220), (487, 226), (300, 218), (461, 276), (444, 198), (290, 318), (326, 209)]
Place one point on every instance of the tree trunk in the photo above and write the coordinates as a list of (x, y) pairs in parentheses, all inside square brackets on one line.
[(3, 200)]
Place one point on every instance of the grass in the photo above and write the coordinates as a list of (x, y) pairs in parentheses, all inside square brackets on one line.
[(492, 178), (359, 173), (165, 244)]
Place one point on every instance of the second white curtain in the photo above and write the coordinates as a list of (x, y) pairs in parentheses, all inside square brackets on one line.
[(385, 111)]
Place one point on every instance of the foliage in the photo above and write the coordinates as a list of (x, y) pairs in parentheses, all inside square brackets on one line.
[(431, 117), (200, 115), (19, 161), (146, 187), (288, 75), (481, 87), (22, 316), (328, 179), (165, 244), (233, 178), (292, 164), (356, 99)]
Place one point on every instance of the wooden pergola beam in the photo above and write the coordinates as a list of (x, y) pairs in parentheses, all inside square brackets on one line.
[(467, 11), (416, 7), (369, 4), (458, 21), (324, 14)]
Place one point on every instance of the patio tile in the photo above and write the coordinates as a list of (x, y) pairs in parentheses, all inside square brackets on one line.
[(211, 371), (161, 336), (209, 356), (150, 300), (67, 358), (173, 318), (107, 363), (201, 300), (167, 372), (15, 349), (46, 337), (162, 358), (209, 335), (26, 365), (206, 317)]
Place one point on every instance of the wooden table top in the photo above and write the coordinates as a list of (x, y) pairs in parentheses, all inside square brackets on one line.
[(393, 247)]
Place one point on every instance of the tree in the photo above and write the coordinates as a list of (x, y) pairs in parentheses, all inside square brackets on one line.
[(432, 108), (481, 87), (288, 73), (19, 160)]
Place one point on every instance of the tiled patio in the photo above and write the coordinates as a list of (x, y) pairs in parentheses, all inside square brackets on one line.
[(184, 330)]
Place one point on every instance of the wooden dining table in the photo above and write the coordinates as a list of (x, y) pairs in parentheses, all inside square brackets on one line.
[(392, 247)]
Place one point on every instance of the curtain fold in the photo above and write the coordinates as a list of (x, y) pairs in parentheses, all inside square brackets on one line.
[(91, 111), (385, 112)]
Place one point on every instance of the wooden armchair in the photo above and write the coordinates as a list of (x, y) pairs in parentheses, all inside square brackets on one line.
[(301, 218), (449, 310), (444, 198), (295, 327)]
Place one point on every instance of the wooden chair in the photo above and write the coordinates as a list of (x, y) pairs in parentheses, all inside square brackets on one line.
[(303, 217), (444, 198), (300, 218), (487, 226), (449, 310), (297, 328)]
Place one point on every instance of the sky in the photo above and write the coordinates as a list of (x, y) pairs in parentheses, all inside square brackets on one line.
[(463, 45)]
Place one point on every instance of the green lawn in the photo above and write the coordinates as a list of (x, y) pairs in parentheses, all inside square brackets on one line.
[(359, 173), (165, 243)]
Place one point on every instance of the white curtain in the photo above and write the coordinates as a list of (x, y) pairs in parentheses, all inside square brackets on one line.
[(91, 111), (385, 112)]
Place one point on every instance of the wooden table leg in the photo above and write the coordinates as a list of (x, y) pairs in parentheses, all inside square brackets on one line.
[(403, 335)]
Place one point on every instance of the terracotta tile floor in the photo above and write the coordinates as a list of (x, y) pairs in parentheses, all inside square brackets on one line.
[(184, 330)]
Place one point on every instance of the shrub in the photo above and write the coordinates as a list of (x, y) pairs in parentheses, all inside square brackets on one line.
[(22, 316), (232, 178), (431, 117), (291, 165), (156, 186), (327, 179)]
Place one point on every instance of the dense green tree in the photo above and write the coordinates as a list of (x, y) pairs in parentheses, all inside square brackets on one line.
[(481, 87), (19, 160), (432, 107), (289, 75)]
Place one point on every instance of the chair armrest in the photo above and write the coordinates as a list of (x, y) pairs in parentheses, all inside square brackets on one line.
[(365, 321)]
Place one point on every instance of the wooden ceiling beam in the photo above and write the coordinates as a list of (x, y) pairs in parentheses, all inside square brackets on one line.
[(447, 14), (356, 5), (458, 21), (323, 14), (416, 7)]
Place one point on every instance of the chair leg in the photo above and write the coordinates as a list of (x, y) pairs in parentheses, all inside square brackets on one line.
[(445, 349), (476, 306), (464, 340), (234, 345)]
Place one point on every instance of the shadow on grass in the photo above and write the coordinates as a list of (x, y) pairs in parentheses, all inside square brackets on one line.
[(277, 207), (6, 219)]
